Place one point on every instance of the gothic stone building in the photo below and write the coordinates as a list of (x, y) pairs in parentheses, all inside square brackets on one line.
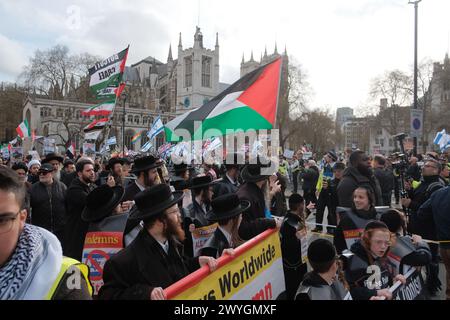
[(152, 89)]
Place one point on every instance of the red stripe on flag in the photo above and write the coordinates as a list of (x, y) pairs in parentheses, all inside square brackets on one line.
[(262, 95)]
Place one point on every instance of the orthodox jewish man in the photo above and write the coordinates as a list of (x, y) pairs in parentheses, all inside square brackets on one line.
[(227, 212), (153, 260)]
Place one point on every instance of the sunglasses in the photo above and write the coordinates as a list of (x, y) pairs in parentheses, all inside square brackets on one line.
[(43, 173)]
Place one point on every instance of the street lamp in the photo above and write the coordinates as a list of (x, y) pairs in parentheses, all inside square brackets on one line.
[(124, 99), (416, 7)]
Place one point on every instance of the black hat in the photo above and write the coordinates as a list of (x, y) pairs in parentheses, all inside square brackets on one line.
[(112, 162), (252, 172), (226, 206), (321, 251), (179, 183), (53, 156), (203, 181), (101, 201), (178, 169), (146, 163), (153, 201), (46, 167), (332, 155), (20, 165)]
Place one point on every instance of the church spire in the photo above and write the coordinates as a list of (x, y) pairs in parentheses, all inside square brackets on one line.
[(169, 58), (179, 42), (285, 50), (276, 50), (243, 59), (265, 51), (217, 39), (251, 58)]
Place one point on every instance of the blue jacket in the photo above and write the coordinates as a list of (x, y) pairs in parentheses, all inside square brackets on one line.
[(437, 208)]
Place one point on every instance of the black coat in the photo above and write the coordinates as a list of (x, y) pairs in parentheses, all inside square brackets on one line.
[(353, 179), (225, 187), (418, 197), (436, 211), (67, 178), (130, 192), (386, 179), (310, 177), (291, 249), (215, 245), (135, 271), (76, 228), (48, 209), (254, 220)]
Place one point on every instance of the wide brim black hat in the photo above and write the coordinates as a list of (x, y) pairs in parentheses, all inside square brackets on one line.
[(214, 215), (98, 211), (179, 183), (52, 156), (180, 168), (252, 172), (146, 163), (153, 201), (200, 182)]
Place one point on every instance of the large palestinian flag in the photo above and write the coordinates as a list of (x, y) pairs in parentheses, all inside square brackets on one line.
[(249, 103), (106, 76)]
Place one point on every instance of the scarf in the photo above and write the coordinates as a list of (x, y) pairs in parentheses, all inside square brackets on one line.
[(33, 266)]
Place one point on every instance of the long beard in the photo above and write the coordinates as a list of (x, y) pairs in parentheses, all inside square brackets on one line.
[(57, 175), (174, 229)]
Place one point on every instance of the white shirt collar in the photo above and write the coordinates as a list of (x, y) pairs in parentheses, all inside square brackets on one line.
[(142, 188), (165, 246), (231, 179), (226, 234)]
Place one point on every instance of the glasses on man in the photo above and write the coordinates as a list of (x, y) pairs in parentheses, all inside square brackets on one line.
[(43, 173), (6, 221)]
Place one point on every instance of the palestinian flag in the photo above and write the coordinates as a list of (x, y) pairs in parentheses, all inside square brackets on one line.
[(249, 103), (102, 109), (70, 149), (106, 76), (23, 130), (96, 125)]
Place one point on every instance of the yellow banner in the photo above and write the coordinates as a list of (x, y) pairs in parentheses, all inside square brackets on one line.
[(254, 273)]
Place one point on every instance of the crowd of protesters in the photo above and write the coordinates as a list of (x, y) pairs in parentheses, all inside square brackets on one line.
[(51, 207)]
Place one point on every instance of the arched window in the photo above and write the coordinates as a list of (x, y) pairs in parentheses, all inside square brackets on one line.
[(129, 133), (144, 120), (136, 119), (59, 113), (130, 119), (28, 117)]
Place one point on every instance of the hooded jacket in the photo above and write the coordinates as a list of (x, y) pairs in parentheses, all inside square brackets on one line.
[(353, 179)]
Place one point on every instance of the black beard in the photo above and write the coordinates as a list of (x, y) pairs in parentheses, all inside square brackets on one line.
[(365, 171), (174, 229), (147, 182)]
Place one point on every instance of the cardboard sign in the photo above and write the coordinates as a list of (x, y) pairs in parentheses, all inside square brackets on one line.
[(200, 236), (288, 154), (411, 290)]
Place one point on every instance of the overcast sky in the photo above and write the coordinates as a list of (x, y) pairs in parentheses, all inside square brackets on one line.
[(342, 44)]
